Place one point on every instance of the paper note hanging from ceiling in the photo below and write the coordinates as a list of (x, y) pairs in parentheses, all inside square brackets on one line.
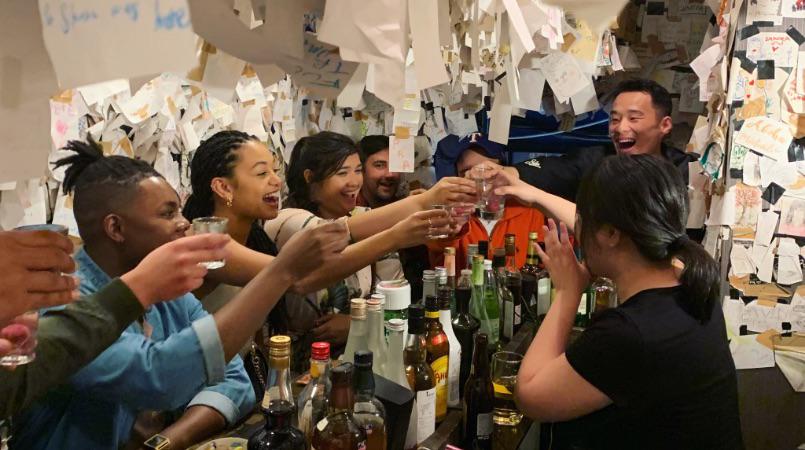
[(97, 40), (598, 13)]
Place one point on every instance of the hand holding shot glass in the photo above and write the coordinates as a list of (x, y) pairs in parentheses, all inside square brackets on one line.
[(490, 204), (212, 224)]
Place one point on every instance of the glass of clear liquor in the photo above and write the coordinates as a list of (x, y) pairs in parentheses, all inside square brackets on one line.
[(442, 235), (505, 366), (491, 205), (212, 224)]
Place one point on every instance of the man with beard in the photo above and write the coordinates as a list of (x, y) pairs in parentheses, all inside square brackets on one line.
[(379, 184)]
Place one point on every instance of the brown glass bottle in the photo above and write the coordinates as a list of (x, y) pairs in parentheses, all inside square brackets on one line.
[(534, 275), (512, 313), (438, 355), (369, 412), (464, 326), (478, 401), (419, 373), (339, 430)]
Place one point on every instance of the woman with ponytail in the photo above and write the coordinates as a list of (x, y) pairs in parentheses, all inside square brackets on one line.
[(656, 371)]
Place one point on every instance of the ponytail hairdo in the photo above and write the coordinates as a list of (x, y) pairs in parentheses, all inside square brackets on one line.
[(644, 197), (99, 184), (217, 157)]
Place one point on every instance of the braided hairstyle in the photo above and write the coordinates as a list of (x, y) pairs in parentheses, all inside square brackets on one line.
[(99, 184), (217, 157)]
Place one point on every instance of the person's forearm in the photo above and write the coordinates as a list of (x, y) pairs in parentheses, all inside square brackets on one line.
[(555, 207), (352, 259), (196, 424), (242, 316), (552, 336), (374, 221)]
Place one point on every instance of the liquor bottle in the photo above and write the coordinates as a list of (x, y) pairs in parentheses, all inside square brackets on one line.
[(478, 308), (483, 249), (438, 354), (512, 306), (428, 284), (490, 291), (395, 368), (450, 265), (472, 250), (420, 375), (339, 430), (585, 308), (278, 405), (377, 335), (369, 412), (605, 295), (398, 297), (465, 326), (314, 397), (445, 296), (357, 339), (531, 272), (478, 399)]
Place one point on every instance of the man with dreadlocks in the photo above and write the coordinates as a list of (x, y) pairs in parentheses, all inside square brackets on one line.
[(174, 359)]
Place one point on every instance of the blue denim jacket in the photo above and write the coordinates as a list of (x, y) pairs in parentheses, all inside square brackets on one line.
[(180, 365)]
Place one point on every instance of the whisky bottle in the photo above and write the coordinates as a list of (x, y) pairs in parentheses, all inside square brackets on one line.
[(512, 305), (478, 399), (339, 430), (464, 326), (314, 397), (357, 339), (445, 297), (369, 412), (419, 373), (278, 405), (438, 354)]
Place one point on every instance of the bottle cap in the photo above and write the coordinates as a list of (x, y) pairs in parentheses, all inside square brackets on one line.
[(467, 272), (279, 346), (416, 319), (397, 292), (342, 374), (431, 303), (487, 264), (380, 297), (449, 250), (478, 258), (363, 358), (533, 235), (499, 252), (509, 238), (374, 304), (320, 351), (428, 275), (395, 325), (358, 308), (472, 247)]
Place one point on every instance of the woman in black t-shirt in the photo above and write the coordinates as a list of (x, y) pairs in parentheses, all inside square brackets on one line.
[(655, 372)]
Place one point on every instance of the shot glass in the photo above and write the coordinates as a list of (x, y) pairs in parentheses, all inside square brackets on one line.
[(491, 206), (21, 332), (438, 236), (461, 212), (505, 366), (202, 225)]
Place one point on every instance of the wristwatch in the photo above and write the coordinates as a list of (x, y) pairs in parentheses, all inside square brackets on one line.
[(158, 442)]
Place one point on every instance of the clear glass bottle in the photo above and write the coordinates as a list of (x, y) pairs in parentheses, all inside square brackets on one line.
[(479, 397), (369, 411), (395, 368), (464, 326), (477, 301), (438, 355), (358, 329), (377, 335), (339, 430), (278, 404), (419, 373), (512, 306), (445, 298), (491, 302), (428, 284), (314, 397)]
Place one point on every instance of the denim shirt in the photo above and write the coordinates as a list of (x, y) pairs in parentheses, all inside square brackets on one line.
[(180, 365)]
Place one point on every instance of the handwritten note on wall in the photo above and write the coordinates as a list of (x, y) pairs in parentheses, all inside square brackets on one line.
[(97, 40), (765, 136)]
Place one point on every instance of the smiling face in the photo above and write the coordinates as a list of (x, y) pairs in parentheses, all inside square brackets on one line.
[(254, 183), (379, 185), (337, 194), (636, 126)]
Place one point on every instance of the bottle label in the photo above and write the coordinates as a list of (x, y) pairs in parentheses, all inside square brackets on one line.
[(454, 396), (440, 368), (484, 426), (425, 414), (322, 424), (543, 295), (583, 305), (518, 315)]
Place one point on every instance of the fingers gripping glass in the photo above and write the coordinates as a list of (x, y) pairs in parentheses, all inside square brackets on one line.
[(216, 225), (434, 234), (490, 205)]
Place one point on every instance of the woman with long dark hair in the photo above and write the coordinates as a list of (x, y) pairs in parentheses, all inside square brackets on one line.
[(656, 371)]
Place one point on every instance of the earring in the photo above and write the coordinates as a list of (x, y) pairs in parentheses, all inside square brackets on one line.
[(229, 202)]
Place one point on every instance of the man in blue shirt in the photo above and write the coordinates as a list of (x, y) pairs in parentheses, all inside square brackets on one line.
[(176, 356)]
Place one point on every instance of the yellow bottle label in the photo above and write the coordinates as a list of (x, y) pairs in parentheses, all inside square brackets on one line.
[(440, 372)]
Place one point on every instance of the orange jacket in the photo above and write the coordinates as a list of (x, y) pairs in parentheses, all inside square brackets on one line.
[(517, 219)]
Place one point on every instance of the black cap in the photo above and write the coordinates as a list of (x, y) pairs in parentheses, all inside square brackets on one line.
[(483, 249), (431, 303), (363, 358), (416, 319)]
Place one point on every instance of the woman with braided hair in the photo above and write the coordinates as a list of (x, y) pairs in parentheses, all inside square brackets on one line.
[(234, 175)]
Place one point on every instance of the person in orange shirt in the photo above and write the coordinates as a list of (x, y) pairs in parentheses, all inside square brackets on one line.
[(517, 219)]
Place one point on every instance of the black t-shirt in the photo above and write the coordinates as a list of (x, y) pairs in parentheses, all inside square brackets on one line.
[(671, 379)]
